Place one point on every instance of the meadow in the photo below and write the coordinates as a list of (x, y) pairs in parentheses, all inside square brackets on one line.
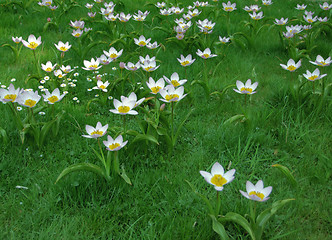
[(153, 187)]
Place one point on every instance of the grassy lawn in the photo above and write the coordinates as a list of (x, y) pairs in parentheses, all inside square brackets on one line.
[(287, 122)]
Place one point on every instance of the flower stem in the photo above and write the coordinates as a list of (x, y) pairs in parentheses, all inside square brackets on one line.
[(172, 119)]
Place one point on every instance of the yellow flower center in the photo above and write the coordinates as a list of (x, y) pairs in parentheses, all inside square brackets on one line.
[(53, 99), (156, 89), (310, 20), (63, 49), (123, 109), (206, 55), (142, 43), (185, 63), (49, 69), (11, 97), (30, 103), (77, 34), (228, 8), (323, 63), (102, 86), (97, 132), (93, 66), (218, 180), (175, 83), (313, 77), (113, 55), (171, 96), (246, 89), (114, 146), (258, 194), (60, 76), (291, 68), (148, 68), (32, 45)]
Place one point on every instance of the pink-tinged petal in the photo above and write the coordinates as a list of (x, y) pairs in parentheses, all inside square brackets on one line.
[(217, 169), (124, 144), (255, 198), (87, 136), (254, 86), (99, 126), (229, 175), (175, 76), (250, 187), (207, 176), (316, 72), (259, 186), (119, 139), (321, 76), (104, 128), (133, 112), (237, 91), (291, 62), (114, 111), (248, 83), (283, 66), (117, 103), (239, 84), (244, 194)]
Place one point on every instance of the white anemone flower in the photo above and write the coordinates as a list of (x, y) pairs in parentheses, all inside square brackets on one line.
[(155, 87), (32, 42), (124, 107), (175, 80), (48, 67), (315, 75), (170, 94), (218, 178), (114, 144), (186, 61), (91, 65), (96, 132), (321, 62), (142, 41), (113, 53), (9, 95), (229, 7), (291, 65), (246, 88), (205, 54), (257, 192), (53, 97), (63, 47)]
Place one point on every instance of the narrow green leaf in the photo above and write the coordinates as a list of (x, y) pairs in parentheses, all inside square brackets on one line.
[(4, 136), (143, 137), (82, 167), (181, 125), (208, 204), (237, 218), (124, 176), (284, 170), (44, 131), (219, 228), (239, 117)]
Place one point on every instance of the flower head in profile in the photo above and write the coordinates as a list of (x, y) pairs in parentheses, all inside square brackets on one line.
[(205, 54), (257, 192), (77, 33), (170, 94), (256, 16), (95, 132), (280, 21), (63, 47), (267, 2), (152, 45), (175, 80), (149, 66), (291, 65), (28, 98), (218, 178), (300, 7), (32, 42), (321, 62), (9, 95), (229, 7), (325, 6), (315, 75), (17, 39), (114, 144), (124, 18), (131, 66), (101, 85), (91, 65), (53, 97), (132, 97), (124, 107), (77, 24), (224, 40), (186, 61), (155, 86), (105, 60), (246, 88)]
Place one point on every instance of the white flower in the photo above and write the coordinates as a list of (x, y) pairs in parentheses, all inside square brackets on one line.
[(247, 88), (186, 61), (291, 65), (170, 94), (114, 145), (257, 192), (315, 75), (175, 80), (28, 99), (102, 86), (32, 42), (155, 86), (96, 132), (321, 62), (91, 65), (53, 97), (142, 41), (63, 47), (205, 54), (113, 53)]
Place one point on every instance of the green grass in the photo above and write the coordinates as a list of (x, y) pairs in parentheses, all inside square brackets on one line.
[(160, 204)]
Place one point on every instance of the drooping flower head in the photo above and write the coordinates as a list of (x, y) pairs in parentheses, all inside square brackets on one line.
[(257, 192), (218, 178)]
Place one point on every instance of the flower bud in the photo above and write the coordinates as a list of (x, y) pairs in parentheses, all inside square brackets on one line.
[(122, 65), (162, 107)]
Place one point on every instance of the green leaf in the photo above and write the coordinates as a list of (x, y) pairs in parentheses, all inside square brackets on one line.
[(82, 167), (44, 131), (166, 30), (219, 228), (208, 204), (144, 137), (284, 170), (238, 117), (4, 136), (204, 84), (181, 125), (124, 176), (223, 91), (237, 218)]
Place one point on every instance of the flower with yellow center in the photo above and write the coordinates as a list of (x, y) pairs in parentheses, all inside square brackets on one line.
[(124, 107), (63, 47), (113, 53), (186, 61), (229, 7), (155, 86), (170, 94), (53, 97), (102, 86), (32, 42), (246, 88), (175, 80), (28, 99), (257, 192), (291, 65), (48, 67), (9, 95), (315, 75), (321, 62), (205, 54), (218, 178), (114, 144), (96, 132), (91, 65), (141, 41)]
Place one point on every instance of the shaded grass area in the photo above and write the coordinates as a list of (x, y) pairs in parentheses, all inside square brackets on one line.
[(160, 204)]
